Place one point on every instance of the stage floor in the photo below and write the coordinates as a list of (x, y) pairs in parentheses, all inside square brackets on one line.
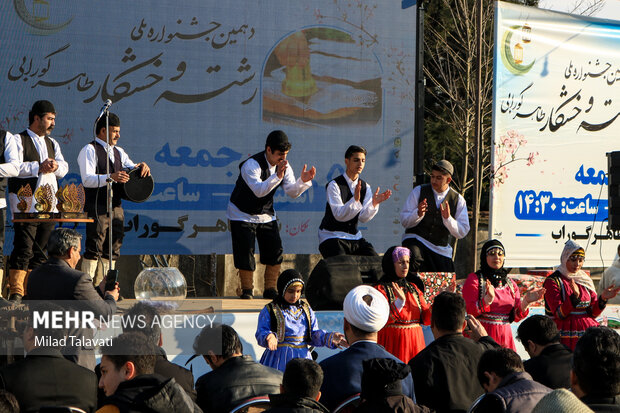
[(219, 305)]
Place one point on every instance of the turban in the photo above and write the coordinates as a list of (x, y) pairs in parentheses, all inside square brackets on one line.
[(366, 308)]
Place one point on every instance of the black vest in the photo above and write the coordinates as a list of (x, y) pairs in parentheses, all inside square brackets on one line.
[(243, 197), (431, 228), (30, 155), (96, 198), (3, 181), (330, 223)]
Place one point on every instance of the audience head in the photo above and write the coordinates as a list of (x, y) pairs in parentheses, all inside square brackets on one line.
[(65, 243), (8, 402), (596, 363), (290, 287), (140, 318), (113, 120), (561, 401), (302, 378), (214, 350), (382, 378), (366, 311), (130, 355), (537, 332), (495, 364), (48, 335), (448, 315)]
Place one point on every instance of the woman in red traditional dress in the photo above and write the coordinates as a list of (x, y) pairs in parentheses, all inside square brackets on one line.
[(493, 298), (571, 299), (402, 335)]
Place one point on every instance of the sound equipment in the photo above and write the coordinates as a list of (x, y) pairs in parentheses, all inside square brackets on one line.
[(137, 189), (613, 190), (332, 278)]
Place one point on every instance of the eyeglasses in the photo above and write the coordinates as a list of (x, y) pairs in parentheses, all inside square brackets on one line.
[(576, 258), (495, 251)]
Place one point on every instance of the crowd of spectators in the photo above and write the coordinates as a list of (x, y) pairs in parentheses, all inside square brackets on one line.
[(454, 373)]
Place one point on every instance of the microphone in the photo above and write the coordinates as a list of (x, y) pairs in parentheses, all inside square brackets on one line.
[(105, 107)]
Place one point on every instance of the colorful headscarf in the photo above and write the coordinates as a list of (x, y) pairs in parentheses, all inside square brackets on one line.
[(580, 277)]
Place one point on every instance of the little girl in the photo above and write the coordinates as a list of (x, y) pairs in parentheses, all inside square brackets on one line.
[(287, 325)]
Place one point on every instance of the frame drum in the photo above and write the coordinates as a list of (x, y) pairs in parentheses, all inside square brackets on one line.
[(137, 189)]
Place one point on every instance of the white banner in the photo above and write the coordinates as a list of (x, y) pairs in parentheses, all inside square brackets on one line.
[(554, 119)]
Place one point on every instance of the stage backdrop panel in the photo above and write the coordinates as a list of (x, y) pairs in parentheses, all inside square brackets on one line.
[(199, 84), (555, 116)]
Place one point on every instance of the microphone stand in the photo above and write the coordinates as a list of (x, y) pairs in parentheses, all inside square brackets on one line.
[(111, 272)]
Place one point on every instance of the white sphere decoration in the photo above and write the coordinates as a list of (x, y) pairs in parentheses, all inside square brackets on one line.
[(160, 283)]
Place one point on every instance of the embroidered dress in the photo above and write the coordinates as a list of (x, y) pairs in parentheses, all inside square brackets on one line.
[(495, 318), (572, 316), (292, 334), (402, 336)]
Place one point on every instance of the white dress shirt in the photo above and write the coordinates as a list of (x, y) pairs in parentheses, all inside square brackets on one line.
[(345, 212), (87, 161), (30, 169), (250, 172), (11, 157), (458, 227)]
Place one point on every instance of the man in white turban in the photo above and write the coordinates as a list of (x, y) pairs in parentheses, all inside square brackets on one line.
[(366, 311)]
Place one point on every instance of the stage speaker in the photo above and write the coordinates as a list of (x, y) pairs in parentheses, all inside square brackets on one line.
[(332, 278), (613, 190)]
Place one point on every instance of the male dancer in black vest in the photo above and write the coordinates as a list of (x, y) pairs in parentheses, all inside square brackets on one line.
[(39, 155), (92, 162), (432, 213), (349, 200), (9, 167), (251, 214)]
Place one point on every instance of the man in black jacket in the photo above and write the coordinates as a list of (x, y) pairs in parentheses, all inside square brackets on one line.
[(509, 388), (45, 377), (443, 372), (129, 382), (235, 377), (57, 279), (550, 361), (595, 377), (151, 328)]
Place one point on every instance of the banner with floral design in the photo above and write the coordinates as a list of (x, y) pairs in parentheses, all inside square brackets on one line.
[(554, 119)]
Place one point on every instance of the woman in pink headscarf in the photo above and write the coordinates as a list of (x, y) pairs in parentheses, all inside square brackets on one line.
[(402, 335), (570, 297)]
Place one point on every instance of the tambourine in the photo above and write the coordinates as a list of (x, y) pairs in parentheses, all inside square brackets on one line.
[(137, 189)]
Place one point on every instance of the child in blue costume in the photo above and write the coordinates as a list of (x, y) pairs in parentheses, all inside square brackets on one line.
[(287, 325)]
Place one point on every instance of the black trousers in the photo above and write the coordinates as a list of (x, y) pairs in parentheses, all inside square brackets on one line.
[(26, 255), (244, 237), (97, 236), (424, 260), (337, 246)]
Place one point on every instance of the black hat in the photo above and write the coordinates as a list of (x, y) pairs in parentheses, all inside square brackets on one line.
[(42, 106), (277, 139)]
